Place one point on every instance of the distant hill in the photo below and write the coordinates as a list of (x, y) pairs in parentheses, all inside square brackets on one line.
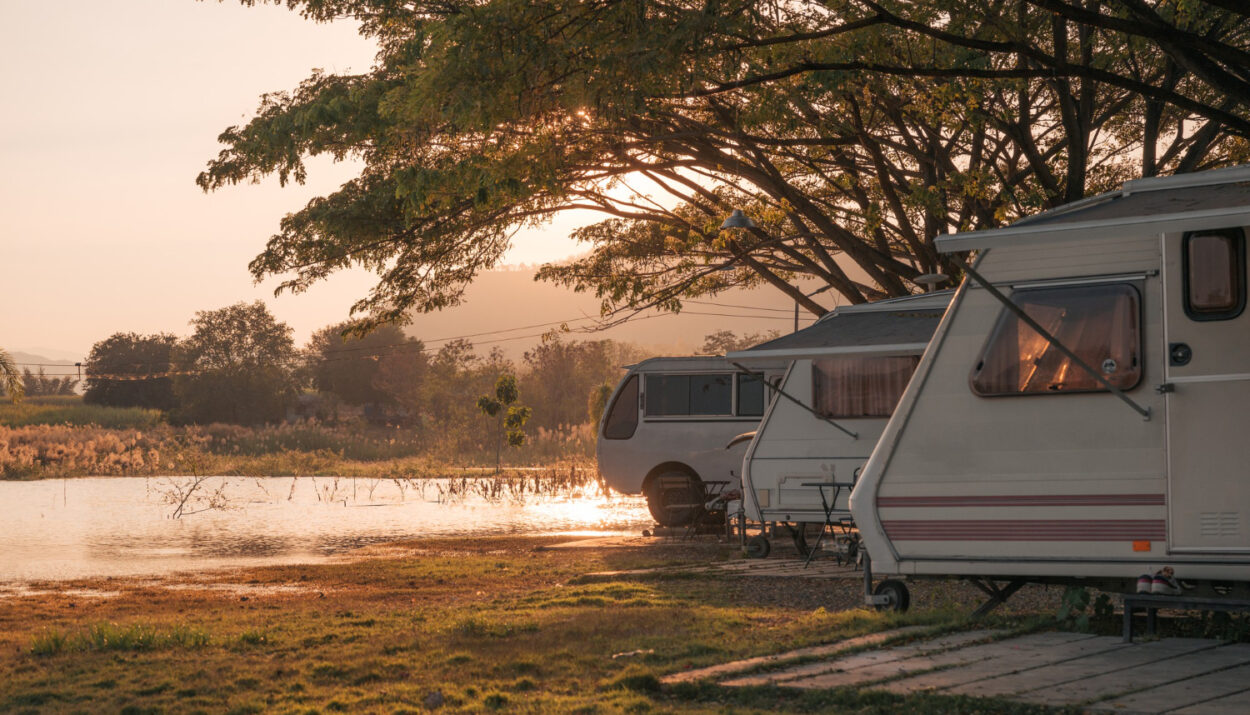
[(34, 361), (507, 308)]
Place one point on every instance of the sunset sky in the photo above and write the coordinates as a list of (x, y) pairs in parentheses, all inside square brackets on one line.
[(112, 108)]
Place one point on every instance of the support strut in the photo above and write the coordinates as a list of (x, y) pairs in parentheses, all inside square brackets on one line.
[(998, 595)]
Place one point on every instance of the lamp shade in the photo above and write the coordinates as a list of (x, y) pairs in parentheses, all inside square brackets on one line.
[(737, 219)]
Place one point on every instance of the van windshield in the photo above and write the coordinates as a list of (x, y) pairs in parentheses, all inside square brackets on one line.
[(622, 417)]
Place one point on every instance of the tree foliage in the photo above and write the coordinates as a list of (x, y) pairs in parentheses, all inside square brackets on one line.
[(236, 367), (854, 131), (146, 358), (379, 367), (727, 341), (10, 378), (509, 416), (561, 375), (39, 384)]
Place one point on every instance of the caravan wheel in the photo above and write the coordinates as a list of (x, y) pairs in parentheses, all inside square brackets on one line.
[(896, 592), (758, 547), (675, 498)]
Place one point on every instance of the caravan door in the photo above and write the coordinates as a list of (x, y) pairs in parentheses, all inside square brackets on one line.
[(1207, 358)]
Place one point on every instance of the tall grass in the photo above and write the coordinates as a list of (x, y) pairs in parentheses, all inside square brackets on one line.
[(72, 411), (46, 451), (59, 450), (60, 437)]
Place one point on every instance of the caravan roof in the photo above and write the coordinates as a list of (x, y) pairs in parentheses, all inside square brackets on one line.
[(898, 326), (1186, 202)]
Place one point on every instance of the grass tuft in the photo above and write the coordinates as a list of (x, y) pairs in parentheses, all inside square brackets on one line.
[(112, 637)]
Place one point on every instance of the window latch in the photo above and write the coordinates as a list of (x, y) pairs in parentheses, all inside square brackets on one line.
[(1165, 388)]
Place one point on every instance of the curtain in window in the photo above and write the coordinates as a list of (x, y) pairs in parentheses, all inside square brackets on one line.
[(1213, 274), (860, 386), (1098, 323)]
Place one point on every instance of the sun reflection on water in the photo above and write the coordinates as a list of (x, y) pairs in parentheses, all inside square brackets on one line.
[(114, 526)]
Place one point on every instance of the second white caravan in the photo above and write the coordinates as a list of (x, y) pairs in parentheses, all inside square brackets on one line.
[(847, 373)]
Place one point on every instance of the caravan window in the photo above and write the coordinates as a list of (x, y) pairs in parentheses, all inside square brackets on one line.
[(750, 396), (623, 412), (860, 386), (1215, 274), (685, 395), (1100, 323)]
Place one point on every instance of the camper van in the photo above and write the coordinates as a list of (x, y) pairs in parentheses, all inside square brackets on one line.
[(847, 373), (1081, 412), (666, 426)]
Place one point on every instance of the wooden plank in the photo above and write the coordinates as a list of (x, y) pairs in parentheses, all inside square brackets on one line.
[(1183, 693), (1236, 704), (1105, 675), (1149, 675), (828, 649), (863, 660), (1018, 655)]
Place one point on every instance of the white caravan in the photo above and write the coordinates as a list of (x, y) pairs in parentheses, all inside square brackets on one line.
[(666, 426), (1106, 440), (847, 373)]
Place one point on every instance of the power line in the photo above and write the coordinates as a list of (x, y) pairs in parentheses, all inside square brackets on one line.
[(378, 351)]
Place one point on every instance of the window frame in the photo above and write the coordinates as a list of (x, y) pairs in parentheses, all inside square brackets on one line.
[(688, 416), (1239, 275), (816, 379), (1004, 312)]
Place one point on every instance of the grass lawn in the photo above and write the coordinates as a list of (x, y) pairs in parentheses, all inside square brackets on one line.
[(479, 625)]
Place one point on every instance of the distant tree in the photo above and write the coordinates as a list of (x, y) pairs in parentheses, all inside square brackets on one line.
[(402, 379), (369, 369), (727, 341), (41, 384), (561, 375), (511, 417), (598, 401), (146, 359), (10, 379), (236, 367)]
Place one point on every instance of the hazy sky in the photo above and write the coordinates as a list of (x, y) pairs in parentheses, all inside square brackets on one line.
[(111, 108)]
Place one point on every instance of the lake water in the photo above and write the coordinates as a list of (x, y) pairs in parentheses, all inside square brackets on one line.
[(122, 526)]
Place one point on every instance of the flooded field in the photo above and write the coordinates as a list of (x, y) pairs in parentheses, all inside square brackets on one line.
[(126, 526)]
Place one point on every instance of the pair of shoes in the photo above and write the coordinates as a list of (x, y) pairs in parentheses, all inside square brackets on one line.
[(1145, 583), (1163, 583)]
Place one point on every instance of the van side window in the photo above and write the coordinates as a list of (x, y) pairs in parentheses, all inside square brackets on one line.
[(687, 395), (751, 397), (1100, 323), (623, 412), (860, 386), (1215, 274)]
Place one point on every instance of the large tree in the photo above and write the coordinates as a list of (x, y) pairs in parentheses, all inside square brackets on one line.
[(854, 132), (371, 369), (131, 370), (236, 367)]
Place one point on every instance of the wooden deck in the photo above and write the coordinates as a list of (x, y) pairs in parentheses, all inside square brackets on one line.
[(1181, 675)]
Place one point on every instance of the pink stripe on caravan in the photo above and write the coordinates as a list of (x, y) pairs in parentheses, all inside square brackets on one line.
[(1027, 530), (1027, 500)]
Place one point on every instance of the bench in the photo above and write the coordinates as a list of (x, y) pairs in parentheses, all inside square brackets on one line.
[(1152, 603)]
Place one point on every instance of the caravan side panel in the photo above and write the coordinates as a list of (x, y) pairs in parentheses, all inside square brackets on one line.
[(962, 481)]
